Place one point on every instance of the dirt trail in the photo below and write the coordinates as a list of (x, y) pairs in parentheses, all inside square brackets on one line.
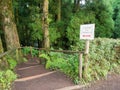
[(33, 76)]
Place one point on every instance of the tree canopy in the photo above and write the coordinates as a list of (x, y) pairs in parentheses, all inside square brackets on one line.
[(57, 23)]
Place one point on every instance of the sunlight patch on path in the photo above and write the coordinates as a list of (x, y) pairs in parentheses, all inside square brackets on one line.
[(28, 67), (34, 77)]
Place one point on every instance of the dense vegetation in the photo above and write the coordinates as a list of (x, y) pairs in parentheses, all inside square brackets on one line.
[(63, 21), (8, 63), (103, 58), (56, 24)]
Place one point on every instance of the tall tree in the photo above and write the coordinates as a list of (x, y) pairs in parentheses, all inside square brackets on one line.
[(29, 22), (59, 10), (1, 47), (116, 17), (8, 24), (45, 25), (103, 15)]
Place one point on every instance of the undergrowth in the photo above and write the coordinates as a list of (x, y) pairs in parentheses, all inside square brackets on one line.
[(7, 74), (63, 62), (7, 69), (103, 58), (30, 50)]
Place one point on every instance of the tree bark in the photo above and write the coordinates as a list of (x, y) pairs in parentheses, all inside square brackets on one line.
[(9, 26), (46, 24), (1, 47), (59, 11)]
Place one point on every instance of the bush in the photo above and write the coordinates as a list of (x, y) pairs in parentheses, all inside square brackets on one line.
[(7, 65), (7, 76), (6, 79), (30, 50), (64, 62), (102, 59)]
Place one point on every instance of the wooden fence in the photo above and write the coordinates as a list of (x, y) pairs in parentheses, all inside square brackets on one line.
[(80, 54)]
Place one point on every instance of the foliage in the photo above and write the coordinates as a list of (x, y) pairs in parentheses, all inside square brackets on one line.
[(116, 17), (8, 62), (65, 32), (26, 50), (30, 50), (64, 62), (12, 63), (102, 59), (104, 27), (7, 65), (29, 21), (73, 28), (6, 78), (54, 34)]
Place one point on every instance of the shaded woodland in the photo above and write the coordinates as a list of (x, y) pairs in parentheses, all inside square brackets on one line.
[(55, 23)]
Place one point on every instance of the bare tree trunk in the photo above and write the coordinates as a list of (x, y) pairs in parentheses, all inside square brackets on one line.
[(59, 11), (1, 47), (9, 26), (46, 24)]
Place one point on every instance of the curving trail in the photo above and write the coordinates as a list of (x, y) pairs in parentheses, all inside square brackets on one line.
[(32, 76)]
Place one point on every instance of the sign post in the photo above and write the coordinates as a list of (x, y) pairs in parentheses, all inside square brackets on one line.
[(86, 33)]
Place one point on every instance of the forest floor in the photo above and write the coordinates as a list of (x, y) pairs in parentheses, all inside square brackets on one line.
[(33, 76)]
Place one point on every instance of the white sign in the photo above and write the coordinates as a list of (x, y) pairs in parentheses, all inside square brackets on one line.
[(87, 31)]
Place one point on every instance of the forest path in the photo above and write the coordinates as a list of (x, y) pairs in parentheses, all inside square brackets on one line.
[(33, 76)]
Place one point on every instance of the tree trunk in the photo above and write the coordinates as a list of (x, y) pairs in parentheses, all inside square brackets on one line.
[(59, 11), (76, 6), (9, 26), (46, 24), (1, 47)]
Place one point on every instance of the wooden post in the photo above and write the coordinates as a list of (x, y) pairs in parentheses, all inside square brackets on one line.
[(87, 44), (31, 51), (86, 57), (86, 33), (80, 65)]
